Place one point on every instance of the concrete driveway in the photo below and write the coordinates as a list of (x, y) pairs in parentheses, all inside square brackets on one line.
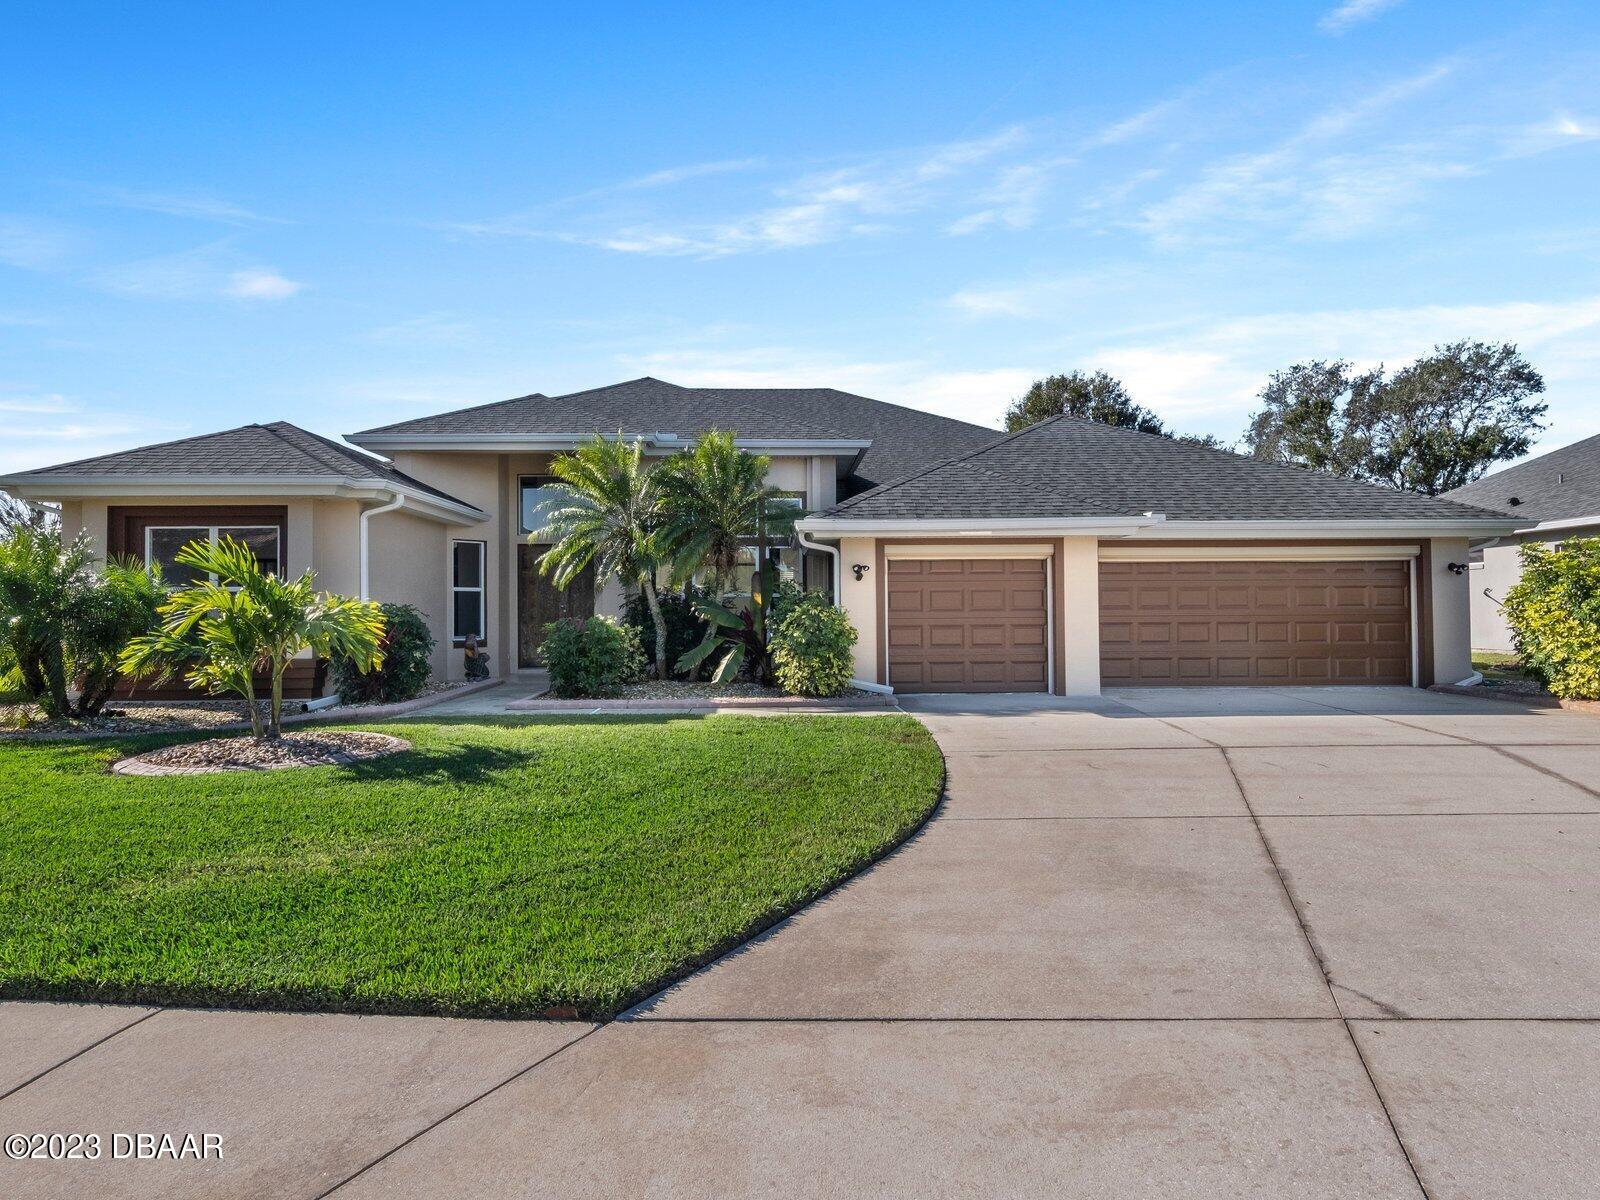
[(1320, 942)]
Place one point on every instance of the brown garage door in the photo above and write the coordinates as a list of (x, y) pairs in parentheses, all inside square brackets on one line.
[(1254, 623), (967, 625)]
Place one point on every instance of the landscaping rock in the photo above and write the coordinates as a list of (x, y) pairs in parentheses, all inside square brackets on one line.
[(311, 749)]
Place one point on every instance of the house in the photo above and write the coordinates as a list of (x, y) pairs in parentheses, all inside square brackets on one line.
[(1552, 497), (1058, 559)]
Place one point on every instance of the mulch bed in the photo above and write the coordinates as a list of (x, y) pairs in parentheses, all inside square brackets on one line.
[(321, 748), (677, 689)]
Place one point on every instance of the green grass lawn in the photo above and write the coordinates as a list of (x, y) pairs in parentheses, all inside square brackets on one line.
[(1498, 666), (501, 867)]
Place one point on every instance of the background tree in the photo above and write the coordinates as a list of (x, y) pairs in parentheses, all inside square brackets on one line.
[(606, 511), (1097, 397), (240, 620), (1433, 426)]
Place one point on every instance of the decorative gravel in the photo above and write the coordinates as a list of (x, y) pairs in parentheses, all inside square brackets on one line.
[(132, 716), (319, 749)]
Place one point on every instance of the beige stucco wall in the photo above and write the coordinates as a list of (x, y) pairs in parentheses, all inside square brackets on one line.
[(859, 599), (1451, 611), (408, 560), (1078, 616), (336, 545)]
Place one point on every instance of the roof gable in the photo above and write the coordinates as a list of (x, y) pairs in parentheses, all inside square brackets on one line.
[(1558, 486), (1068, 467)]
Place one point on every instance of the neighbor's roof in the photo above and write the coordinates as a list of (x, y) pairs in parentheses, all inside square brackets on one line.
[(903, 439), (1067, 467), (1559, 486), (275, 450)]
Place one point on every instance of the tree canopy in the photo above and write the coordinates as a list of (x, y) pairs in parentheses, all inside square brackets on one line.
[(1430, 427), (1097, 397)]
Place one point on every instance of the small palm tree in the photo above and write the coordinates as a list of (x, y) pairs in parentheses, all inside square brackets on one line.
[(605, 511), (242, 620), (711, 507)]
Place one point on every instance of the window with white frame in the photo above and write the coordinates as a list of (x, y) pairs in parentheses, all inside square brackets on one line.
[(467, 590), (162, 543)]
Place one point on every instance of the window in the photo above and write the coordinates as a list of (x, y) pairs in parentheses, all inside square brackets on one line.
[(533, 506), (162, 543), (467, 591)]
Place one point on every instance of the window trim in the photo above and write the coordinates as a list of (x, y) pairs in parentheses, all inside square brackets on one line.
[(482, 589), (211, 537)]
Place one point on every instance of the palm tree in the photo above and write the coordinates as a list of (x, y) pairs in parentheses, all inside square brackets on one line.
[(605, 510), (240, 620), (43, 578), (711, 507)]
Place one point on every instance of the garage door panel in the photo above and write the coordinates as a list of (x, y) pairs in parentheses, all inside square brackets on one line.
[(979, 625), (1244, 622)]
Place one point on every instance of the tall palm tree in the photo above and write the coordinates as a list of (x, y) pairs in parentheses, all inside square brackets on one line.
[(711, 502), (605, 509), (239, 619)]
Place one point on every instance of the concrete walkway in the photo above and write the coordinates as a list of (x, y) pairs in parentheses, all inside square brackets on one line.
[(1310, 943)]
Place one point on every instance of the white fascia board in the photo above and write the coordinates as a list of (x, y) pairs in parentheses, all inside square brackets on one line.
[(968, 527), (1558, 526), (499, 443), (81, 487), (1228, 530)]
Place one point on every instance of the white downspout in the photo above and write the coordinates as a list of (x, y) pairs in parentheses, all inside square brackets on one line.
[(833, 550), (366, 515)]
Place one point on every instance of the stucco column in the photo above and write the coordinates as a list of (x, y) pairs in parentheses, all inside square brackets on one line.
[(859, 599), (1078, 616), (1451, 611), (302, 548)]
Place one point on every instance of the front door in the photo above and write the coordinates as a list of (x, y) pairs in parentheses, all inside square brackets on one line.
[(539, 602)]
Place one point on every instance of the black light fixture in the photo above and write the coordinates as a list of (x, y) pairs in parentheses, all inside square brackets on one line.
[(858, 570), (1456, 568)]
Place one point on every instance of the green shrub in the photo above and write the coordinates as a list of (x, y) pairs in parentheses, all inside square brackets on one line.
[(811, 649), (685, 627), (1554, 614), (593, 657), (406, 646)]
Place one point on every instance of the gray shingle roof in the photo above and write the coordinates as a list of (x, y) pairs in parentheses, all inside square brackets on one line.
[(904, 439), (1067, 467), (1557, 486), (275, 449)]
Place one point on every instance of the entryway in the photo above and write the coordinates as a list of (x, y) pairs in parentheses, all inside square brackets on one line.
[(539, 602)]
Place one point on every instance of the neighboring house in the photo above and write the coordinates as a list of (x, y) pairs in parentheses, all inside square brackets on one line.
[(1552, 497), (1066, 556)]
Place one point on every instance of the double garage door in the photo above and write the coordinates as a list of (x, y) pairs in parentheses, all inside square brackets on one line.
[(977, 625)]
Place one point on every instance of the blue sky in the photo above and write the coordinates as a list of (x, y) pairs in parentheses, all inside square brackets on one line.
[(344, 216)]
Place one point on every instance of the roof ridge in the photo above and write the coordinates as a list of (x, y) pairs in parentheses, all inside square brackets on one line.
[(894, 483), (317, 454), (457, 411)]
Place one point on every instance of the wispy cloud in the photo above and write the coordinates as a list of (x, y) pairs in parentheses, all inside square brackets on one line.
[(36, 402), (34, 244), (199, 207), (863, 197), (260, 283), (1351, 13), (1310, 182), (206, 272), (674, 175)]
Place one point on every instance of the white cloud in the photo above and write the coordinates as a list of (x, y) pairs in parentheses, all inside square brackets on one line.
[(672, 175), (858, 199), (1351, 13), (195, 207), (36, 402), (1210, 373), (32, 244), (261, 283), (204, 273)]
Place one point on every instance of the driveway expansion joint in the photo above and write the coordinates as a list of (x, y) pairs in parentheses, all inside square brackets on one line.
[(101, 1041)]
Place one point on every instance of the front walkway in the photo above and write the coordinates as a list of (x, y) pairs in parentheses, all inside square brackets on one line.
[(1327, 942)]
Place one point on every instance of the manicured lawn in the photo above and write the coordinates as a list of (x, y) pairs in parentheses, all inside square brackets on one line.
[(502, 867), (1498, 666)]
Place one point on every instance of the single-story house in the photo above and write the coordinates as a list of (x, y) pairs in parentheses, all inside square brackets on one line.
[(1058, 559), (1553, 497)]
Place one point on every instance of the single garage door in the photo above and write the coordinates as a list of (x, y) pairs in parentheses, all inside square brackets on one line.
[(1254, 622), (967, 625)]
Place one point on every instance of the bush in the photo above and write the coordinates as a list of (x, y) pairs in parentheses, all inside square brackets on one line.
[(811, 648), (406, 646), (1554, 614), (685, 627), (593, 657)]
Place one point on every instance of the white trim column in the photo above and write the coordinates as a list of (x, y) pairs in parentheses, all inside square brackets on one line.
[(1079, 622)]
